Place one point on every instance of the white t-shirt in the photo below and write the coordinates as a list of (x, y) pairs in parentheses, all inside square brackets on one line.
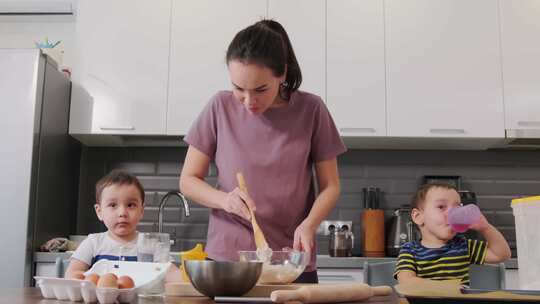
[(99, 246)]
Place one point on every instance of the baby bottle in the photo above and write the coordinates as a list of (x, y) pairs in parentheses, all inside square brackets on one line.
[(461, 218)]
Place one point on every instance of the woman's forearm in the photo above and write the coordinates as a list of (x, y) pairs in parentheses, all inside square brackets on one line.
[(323, 205), (329, 186), (201, 192)]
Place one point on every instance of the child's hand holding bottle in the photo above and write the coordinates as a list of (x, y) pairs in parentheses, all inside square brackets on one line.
[(467, 217)]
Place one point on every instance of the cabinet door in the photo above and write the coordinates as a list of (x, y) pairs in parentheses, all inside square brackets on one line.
[(45, 269), (520, 40), (443, 68), (121, 77), (512, 279), (355, 67), (201, 33), (304, 21)]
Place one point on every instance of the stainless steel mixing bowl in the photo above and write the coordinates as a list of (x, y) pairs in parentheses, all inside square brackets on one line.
[(219, 278), (283, 267)]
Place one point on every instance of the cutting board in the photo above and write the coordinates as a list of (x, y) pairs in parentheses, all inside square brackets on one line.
[(185, 289), (450, 292)]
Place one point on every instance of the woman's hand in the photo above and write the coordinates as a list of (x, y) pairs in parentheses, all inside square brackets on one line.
[(304, 236), (237, 202)]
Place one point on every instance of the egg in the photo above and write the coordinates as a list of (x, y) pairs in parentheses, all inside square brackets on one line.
[(92, 277), (78, 275), (108, 280), (125, 282)]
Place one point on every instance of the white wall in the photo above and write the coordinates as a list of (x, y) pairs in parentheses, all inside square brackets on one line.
[(24, 34)]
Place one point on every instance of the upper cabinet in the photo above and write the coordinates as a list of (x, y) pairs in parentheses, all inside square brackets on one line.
[(355, 67), (304, 21), (200, 34), (443, 68), (415, 68), (120, 81), (520, 40)]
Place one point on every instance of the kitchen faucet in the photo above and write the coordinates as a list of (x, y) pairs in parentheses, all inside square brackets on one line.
[(162, 206)]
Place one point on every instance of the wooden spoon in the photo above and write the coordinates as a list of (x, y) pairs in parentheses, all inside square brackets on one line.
[(260, 241)]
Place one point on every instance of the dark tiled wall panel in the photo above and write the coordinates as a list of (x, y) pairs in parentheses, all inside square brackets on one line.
[(495, 176)]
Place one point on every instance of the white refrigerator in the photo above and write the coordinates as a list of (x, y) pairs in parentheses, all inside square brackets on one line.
[(39, 161)]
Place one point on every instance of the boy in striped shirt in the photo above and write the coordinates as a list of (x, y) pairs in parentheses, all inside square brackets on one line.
[(441, 254)]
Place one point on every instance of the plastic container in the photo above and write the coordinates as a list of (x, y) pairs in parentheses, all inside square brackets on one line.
[(88, 291), (526, 213), (61, 289), (79, 290), (145, 276), (196, 253), (461, 218)]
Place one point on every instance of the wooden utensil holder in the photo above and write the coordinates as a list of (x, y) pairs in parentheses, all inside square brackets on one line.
[(373, 233)]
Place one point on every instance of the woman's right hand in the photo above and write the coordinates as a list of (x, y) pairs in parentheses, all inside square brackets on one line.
[(237, 202)]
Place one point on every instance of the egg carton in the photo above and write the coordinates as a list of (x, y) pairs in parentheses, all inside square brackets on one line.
[(147, 278), (79, 290)]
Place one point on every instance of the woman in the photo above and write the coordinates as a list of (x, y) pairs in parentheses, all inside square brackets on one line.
[(273, 134)]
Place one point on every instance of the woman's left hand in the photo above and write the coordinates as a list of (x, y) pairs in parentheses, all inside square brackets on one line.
[(304, 236)]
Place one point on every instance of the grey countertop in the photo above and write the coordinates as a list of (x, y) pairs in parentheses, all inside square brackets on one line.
[(323, 261), (50, 257)]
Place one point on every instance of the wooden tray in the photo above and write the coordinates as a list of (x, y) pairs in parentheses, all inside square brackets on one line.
[(435, 292), (185, 289)]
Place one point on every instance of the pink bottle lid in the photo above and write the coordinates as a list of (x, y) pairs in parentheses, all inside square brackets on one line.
[(461, 218)]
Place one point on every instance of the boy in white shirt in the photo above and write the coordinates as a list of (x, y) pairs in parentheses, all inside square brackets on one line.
[(120, 206)]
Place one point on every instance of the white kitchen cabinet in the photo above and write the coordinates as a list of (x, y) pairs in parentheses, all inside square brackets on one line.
[(304, 21), (520, 44), (512, 279), (355, 67), (200, 34), (443, 69), (120, 80)]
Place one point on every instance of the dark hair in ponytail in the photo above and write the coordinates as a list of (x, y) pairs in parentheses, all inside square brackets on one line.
[(266, 43)]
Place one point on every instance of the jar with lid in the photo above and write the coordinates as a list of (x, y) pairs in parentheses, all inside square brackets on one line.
[(341, 242)]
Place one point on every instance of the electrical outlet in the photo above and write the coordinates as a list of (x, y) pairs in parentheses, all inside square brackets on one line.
[(324, 227)]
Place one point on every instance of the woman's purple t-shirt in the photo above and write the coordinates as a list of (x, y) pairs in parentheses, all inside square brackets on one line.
[(275, 152)]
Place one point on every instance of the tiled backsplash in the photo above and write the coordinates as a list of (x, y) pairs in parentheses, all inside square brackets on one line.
[(495, 176)]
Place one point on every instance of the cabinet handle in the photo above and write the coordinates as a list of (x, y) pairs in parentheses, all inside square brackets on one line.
[(530, 123), (129, 128), (447, 131), (357, 130)]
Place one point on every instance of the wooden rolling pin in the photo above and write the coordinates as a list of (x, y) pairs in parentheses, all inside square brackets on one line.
[(330, 293)]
